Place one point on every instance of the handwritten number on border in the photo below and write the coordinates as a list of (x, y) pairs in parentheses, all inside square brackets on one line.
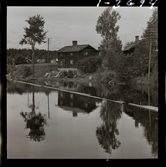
[(142, 2), (152, 4), (130, 3), (117, 5)]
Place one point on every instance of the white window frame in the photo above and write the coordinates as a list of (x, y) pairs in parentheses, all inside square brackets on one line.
[(71, 96), (61, 94), (71, 62), (86, 53)]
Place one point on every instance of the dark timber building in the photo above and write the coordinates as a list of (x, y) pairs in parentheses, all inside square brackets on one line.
[(69, 55)]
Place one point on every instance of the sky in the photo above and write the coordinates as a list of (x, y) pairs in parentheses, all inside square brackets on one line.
[(65, 24)]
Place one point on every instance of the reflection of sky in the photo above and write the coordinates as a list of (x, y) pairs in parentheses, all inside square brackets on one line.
[(68, 136), (136, 148)]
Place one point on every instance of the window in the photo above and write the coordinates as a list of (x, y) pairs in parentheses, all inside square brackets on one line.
[(71, 62), (71, 54), (71, 96), (86, 53), (61, 94), (86, 105), (61, 54)]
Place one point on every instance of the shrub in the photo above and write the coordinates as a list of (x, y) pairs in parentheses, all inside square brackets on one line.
[(64, 73), (11, 69), (108, 76), (26, 71), (70, 74), (19, 59), (89, 65)]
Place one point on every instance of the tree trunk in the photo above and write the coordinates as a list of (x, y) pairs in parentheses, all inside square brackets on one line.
[(33, 100), (33, 61)]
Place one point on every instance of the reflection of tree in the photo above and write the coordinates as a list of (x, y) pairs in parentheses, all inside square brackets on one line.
[(47, 92), (151, 134), (149, 122), (35, 122), (106, 133)]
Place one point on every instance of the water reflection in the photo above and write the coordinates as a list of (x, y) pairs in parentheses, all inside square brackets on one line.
[(107, 133), (76, 103), (34, 122), (129, 94), (149, 122)]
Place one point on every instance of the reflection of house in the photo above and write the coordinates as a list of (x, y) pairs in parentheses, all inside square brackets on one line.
[(76, 103), (129, 50), (69, 85), (69, 55)]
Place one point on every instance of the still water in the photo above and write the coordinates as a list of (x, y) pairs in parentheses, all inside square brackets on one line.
[(47, 123)]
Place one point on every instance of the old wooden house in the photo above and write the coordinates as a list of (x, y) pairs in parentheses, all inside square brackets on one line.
[(69, 55), (129, 50)]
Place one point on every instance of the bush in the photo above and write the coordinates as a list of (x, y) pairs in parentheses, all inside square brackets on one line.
[(109, 76), (64, 73), (89, 65), (19, 59), (11, 68), (26, 71), (70, 74)]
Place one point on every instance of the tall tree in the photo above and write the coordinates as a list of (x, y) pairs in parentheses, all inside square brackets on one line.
[(34, 34), (111, 45), (106, 26), (150, 35), (151, 32)]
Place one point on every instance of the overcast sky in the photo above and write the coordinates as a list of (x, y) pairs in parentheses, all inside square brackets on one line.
[(65, 24)]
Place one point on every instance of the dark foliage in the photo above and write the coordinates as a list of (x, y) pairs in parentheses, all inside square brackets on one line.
[(89, 65), (19, 59), (35, 122), (25, 55), (27, 71), (70, 74)]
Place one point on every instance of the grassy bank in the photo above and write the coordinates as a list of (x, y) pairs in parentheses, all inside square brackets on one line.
[(24, 73)]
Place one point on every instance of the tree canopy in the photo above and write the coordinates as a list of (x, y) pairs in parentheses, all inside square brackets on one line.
[(111, 45), (35, 32), (106, 26)]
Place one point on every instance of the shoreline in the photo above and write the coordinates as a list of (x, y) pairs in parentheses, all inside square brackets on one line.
[(108, 77)]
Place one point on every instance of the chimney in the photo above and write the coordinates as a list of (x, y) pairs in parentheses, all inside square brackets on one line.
[(136, 38), (74, 43)]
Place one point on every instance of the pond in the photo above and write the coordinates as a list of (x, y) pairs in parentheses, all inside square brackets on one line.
[(52, 123)]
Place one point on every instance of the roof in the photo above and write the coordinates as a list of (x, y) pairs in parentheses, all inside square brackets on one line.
[(131, 46), (76, 48)]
